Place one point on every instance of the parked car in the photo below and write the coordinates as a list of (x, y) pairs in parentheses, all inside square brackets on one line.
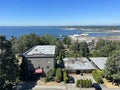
[(71, 79), (96, 86)]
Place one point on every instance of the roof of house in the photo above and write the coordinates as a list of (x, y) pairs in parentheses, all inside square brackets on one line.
[(41, 50), (99, 61), (78, 64)]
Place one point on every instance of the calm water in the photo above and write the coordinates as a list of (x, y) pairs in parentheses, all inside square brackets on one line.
[(17, 31)]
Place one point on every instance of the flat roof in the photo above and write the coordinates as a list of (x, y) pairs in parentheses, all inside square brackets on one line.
[(99, 61), (41, 50), (78, 64)]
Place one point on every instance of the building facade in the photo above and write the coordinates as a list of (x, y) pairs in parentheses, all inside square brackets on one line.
[(41, 56)]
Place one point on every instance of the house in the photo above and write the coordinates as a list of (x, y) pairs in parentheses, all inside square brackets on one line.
[(99, 62), (41, 56), (78, 65)]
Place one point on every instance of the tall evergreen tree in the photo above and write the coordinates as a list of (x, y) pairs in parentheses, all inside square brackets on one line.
[(8, 65), (84, 50)]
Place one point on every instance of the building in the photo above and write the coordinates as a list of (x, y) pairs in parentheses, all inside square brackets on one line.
[(78, 65), (99, 62), (41, 56)]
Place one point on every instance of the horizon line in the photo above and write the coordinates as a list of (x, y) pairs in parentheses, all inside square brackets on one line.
[(50, 25)]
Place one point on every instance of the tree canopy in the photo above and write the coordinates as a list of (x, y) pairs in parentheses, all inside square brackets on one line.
[(67, 41), (25, 42), (112, 67), (80, 49), (104, 48), (8, 64)]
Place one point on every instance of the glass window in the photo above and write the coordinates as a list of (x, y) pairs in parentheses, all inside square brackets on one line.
[(48, 67)]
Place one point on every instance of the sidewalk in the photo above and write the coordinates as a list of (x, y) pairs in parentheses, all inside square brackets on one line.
[(54, 87)]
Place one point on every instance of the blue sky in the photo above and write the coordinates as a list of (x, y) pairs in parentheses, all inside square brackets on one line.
[(59, 12)]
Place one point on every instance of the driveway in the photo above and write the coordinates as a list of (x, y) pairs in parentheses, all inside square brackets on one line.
[(70, 86)]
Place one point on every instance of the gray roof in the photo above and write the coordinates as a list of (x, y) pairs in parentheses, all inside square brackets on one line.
[(78, 64), (41, 50), (99, 61)]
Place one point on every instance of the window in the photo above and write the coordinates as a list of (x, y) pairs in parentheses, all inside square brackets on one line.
[(48, 67), (47, 61)]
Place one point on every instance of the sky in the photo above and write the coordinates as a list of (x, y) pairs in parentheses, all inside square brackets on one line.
[(59, 12)]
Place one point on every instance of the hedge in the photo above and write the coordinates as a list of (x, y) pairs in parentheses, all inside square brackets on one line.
[(84, 83), (50, 75), (97, 75), (65, 77), (58, 77)]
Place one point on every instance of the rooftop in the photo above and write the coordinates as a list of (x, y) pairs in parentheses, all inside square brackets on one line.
[(99, 61), (41, 50), (78, 63)]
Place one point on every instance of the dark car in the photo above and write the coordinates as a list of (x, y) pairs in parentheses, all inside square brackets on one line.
[(71, 79), (96, 86)]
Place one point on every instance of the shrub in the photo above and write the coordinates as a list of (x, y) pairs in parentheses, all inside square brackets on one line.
[(77, 83), (58, 77), (90, 83), (84, 83), (87, 83), (97, 75), (81, 82), (50, 75), (65, 77)]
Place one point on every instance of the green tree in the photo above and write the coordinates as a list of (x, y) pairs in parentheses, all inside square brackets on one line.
[(25, 42), (23, 70), (67, 41), (8, 65), (50, 39), (58, 77), (77, 83), (105, 47), (100, 44), (112, 67), (60, 48), (97, 75), (75, 47), (96, 53), (84, 50), (65, 77), (59, 60), (50, 75), (80, 49)]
